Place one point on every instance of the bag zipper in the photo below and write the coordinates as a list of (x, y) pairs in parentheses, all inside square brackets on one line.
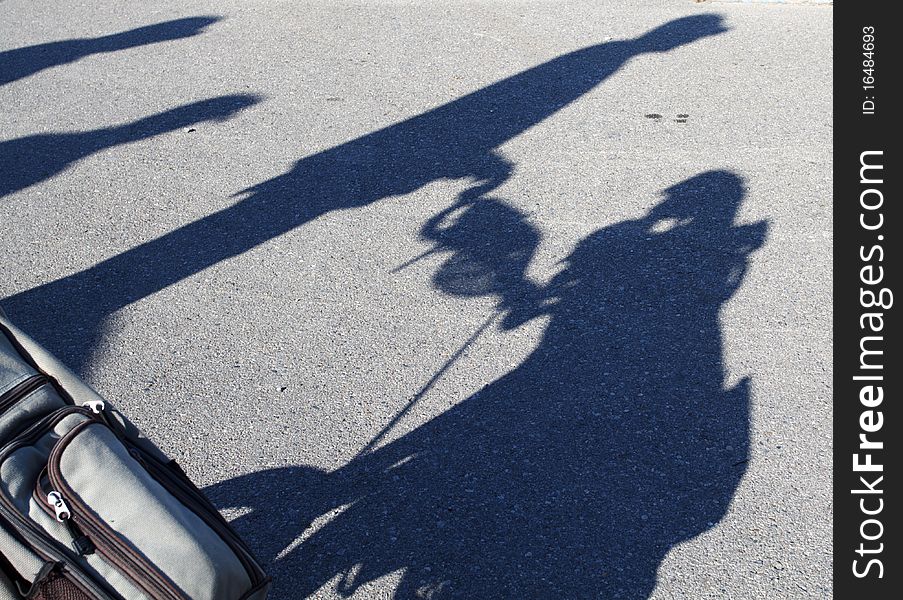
[(45, 546), (127, 562), (53, 504), (21, 389), (131, 563)]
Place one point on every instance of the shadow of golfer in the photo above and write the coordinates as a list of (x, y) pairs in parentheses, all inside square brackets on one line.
[(22, 62), (574, 474), (457, 140)]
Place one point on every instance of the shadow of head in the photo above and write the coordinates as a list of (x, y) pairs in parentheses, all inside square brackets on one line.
[(215, 109), (680, 32), (160, 32), (23, 62), (709, 199)]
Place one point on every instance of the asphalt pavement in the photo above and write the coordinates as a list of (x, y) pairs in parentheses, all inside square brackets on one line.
[(447, 300)]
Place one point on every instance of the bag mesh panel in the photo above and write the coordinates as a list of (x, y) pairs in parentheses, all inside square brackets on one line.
[(57, 587)]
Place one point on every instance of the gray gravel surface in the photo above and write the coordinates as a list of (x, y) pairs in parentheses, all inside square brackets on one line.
[(459, 299)]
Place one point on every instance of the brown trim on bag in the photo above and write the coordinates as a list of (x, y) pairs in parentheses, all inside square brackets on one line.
[(32, 536), (121, 563), (40, 494), (176, 484), (21, 390), (103, 533)]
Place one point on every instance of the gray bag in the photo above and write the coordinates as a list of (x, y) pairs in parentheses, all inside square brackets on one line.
[(90, 509)]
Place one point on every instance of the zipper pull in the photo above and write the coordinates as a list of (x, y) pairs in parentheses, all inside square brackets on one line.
[(80, 541), (55, 499), (96, 406)]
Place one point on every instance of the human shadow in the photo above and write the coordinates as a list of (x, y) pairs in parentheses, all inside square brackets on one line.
[(22, 62), (456, 140), (35, 158), (574, 474)]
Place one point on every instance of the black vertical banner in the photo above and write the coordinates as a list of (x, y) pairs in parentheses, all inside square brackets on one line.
[(868, 168)]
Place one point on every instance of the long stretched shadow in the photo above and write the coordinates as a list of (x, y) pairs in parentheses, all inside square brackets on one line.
[(32, 159), (22, 62), (574, 474), (456, 140)]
